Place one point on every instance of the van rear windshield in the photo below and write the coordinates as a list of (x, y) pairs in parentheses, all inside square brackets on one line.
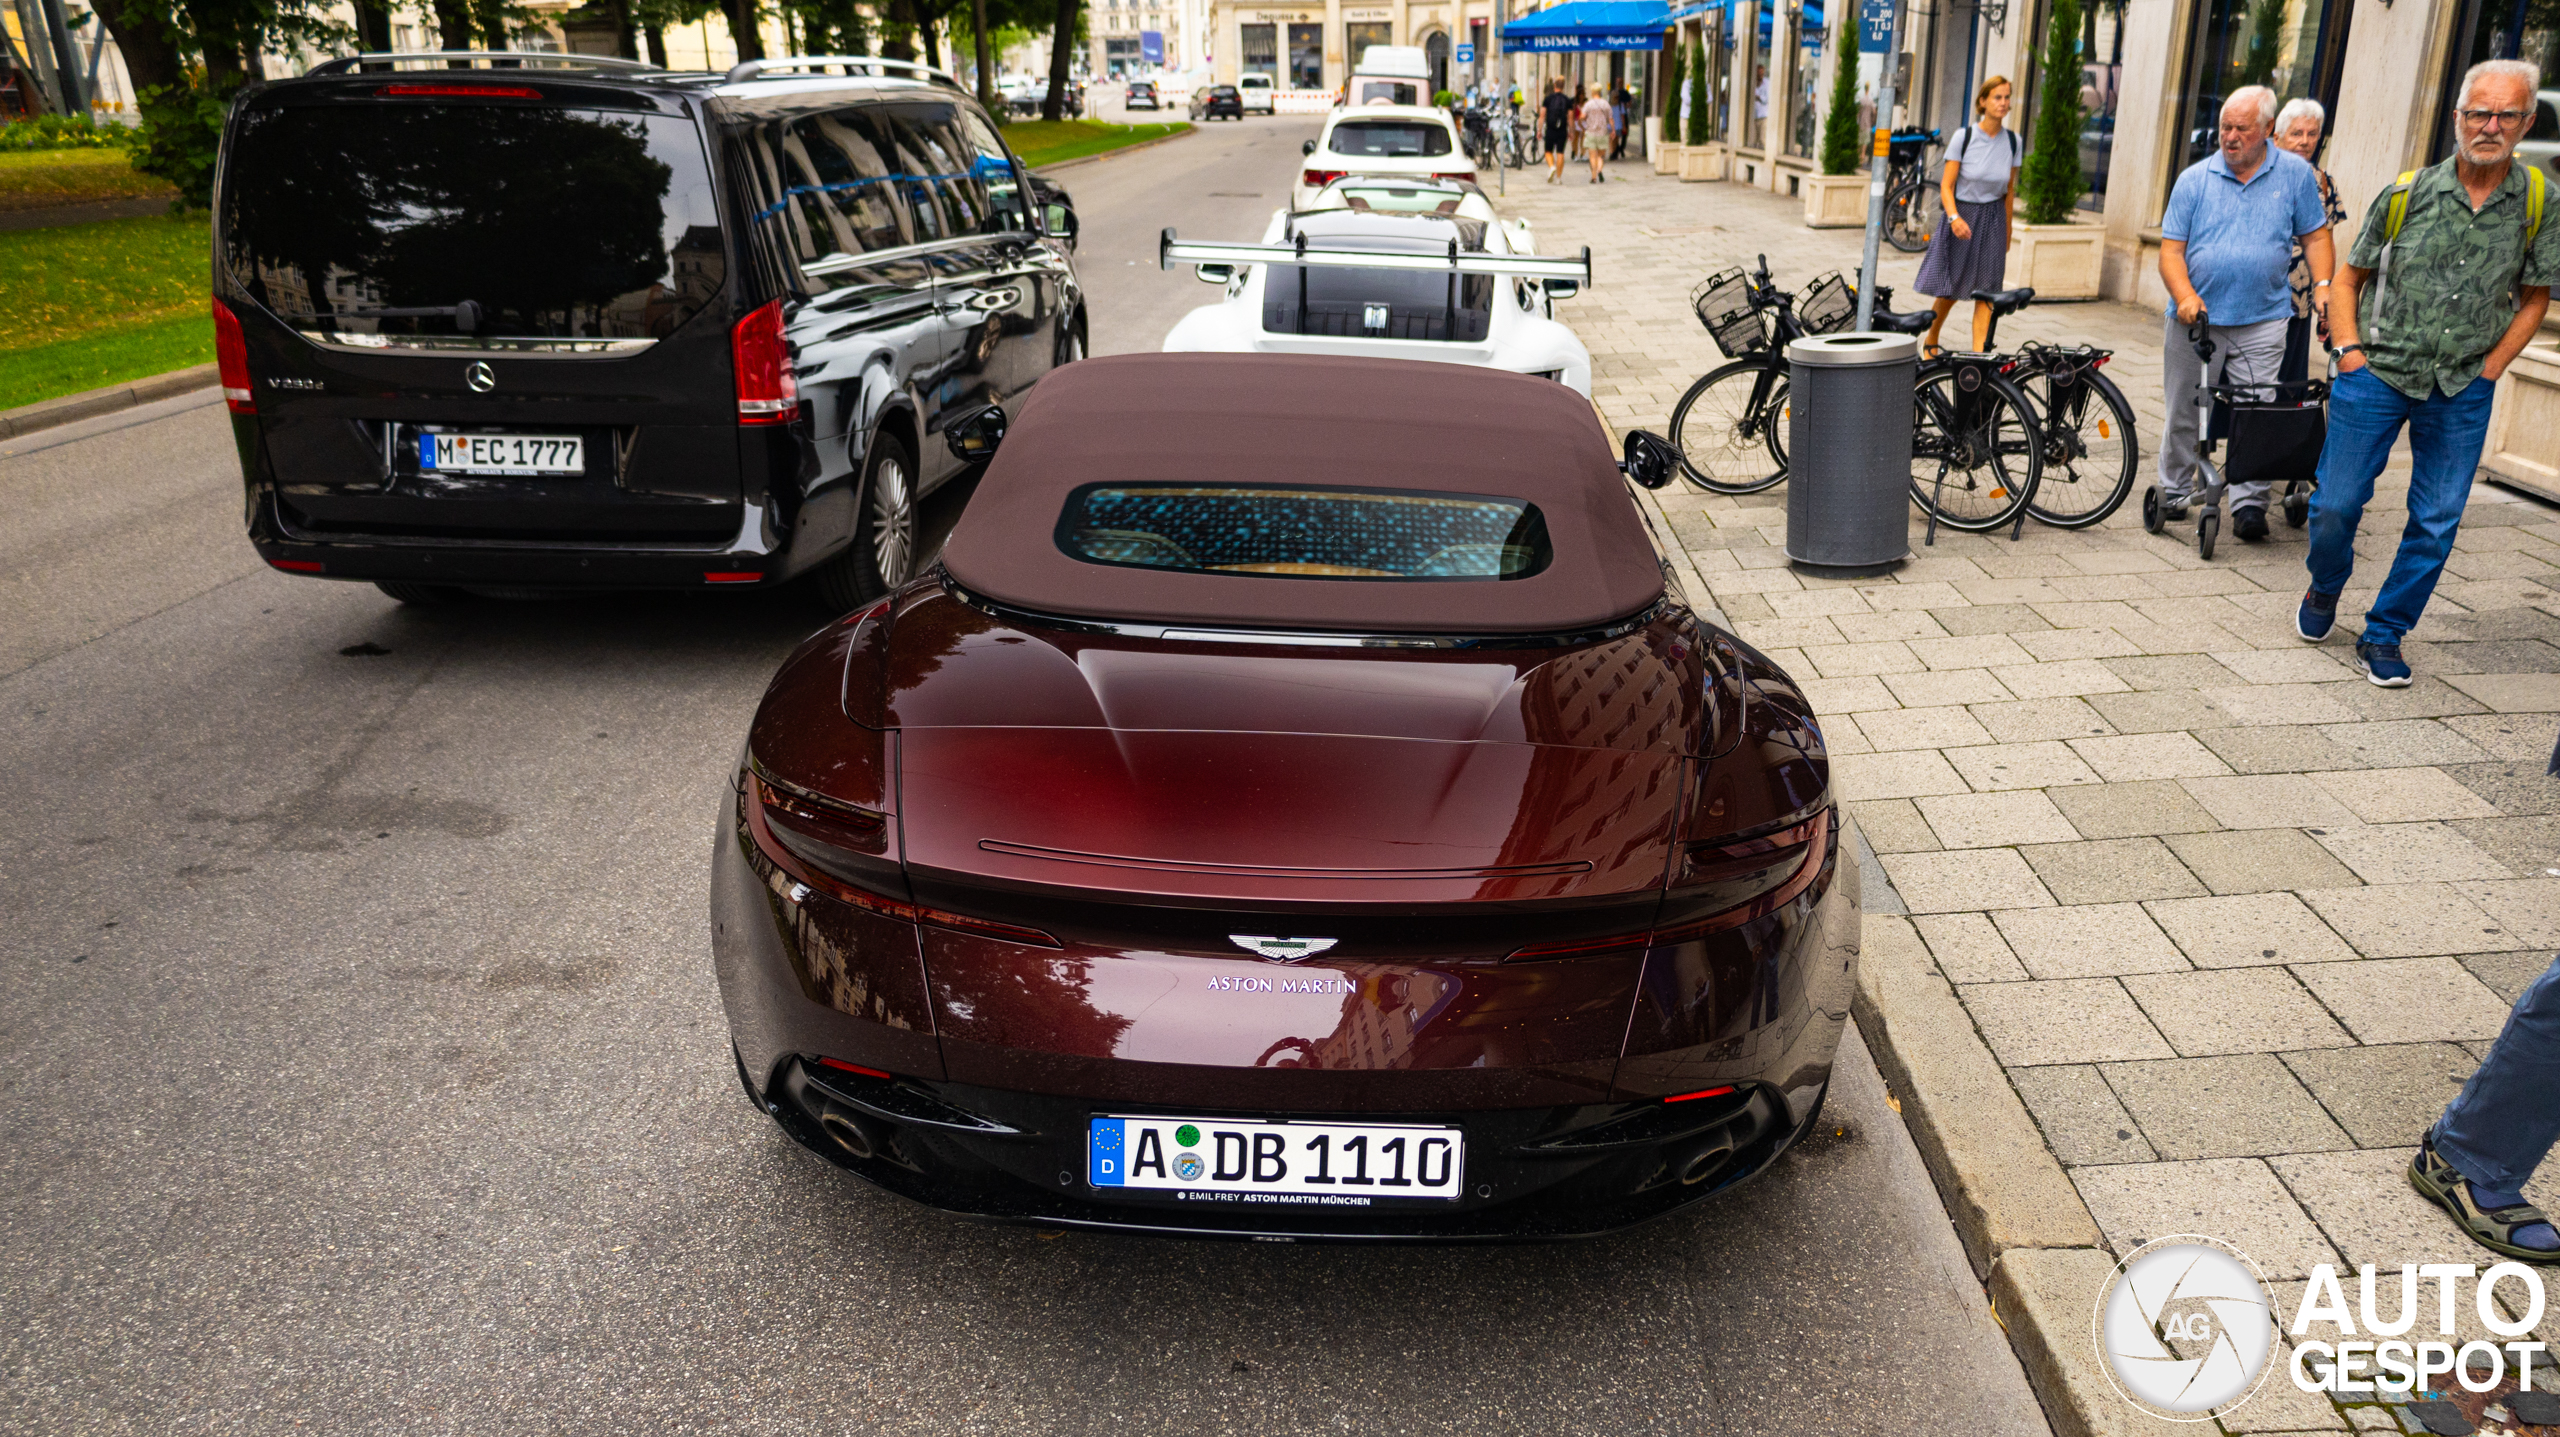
[(552, 223)]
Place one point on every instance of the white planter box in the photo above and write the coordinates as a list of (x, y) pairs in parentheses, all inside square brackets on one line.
[(1833, 202), (2064, 261), (2523, 451), (1702, 162), (1665, 153)]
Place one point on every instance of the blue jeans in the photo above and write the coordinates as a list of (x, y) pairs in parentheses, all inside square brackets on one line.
[(2445, 435), (2497, 1130)]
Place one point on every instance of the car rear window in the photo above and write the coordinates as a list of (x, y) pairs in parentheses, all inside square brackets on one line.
[(1305, 533), (556, 224), (1390, 139)]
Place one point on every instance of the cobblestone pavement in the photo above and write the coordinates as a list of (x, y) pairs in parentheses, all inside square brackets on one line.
[(2235, 922)]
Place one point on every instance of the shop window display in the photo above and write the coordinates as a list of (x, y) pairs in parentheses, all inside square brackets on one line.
[(1306, 57), (2101, 76), (2290, 46), (1804, 108), (1757, 135)]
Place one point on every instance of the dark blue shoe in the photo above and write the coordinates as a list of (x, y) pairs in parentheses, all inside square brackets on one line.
[(2382, 666), (2318, 614)]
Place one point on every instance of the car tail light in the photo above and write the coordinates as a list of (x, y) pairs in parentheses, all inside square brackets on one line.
[(731, 576), (768, 392), (1467, 175), (1786, 862), (841, 1066), (231, 360), (298, 566), (841, 849), (460, 92), (1679, 1098), (1318, 179)]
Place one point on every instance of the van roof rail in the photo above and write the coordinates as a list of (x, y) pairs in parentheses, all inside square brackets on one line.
[(850, 64), (476, 59)]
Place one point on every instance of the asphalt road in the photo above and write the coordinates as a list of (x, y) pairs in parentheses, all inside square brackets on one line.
[(361, 1068)]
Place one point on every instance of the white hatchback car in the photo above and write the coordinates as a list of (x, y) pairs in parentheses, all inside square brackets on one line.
[(1405, 141), (1371, 272)]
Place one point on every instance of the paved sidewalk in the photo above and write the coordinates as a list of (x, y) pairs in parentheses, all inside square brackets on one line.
[(2233, 922)]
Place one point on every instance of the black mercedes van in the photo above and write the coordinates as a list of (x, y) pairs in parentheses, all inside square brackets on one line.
[(541, 322)]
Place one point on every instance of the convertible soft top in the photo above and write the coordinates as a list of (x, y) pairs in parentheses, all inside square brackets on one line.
[(1304, 423)]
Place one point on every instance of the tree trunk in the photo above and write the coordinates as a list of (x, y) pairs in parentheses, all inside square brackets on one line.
[(898, 31), (658, 45), (626, 41), (373, 26), (143, 39), (453, 24), (745, 27), (1061, 42), (932, 44), (985, 54)]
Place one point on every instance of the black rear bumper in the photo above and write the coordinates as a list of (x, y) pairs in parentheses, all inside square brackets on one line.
[(1531, 1174), (506, 563)]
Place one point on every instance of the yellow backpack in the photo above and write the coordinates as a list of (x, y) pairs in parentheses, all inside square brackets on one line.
[(2398, 215)]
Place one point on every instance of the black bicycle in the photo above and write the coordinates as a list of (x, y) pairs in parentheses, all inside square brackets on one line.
[(1910, 200), (1731, 427), (2086, 449)]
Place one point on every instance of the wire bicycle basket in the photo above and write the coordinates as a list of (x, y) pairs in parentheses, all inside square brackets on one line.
[(1827, 305), (1723, 302)]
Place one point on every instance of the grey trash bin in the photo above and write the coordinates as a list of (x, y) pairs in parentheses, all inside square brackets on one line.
[(1849, 450)]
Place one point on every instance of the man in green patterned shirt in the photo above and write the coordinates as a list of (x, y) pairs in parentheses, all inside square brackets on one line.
[(2451, 303)]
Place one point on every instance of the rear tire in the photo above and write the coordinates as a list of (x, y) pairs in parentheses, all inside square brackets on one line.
[(1974, 457), (882, 554), (2089, 467), (422, 594)]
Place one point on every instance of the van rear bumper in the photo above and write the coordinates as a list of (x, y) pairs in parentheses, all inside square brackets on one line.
[(506, 563)]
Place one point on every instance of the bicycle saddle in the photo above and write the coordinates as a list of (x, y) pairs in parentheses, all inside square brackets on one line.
[(1886, 321), (2006, 301)]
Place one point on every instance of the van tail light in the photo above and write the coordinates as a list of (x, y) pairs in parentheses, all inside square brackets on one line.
[(1318, 179), (231, 360), (768, 392), (1745, 879), (841, 849), (1467, 175)]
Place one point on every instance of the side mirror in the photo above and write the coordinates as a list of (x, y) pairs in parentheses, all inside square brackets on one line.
[(1214, 273), (976, 436), (1650, 461), (1563, 288), (1056, 218), (1308, 148)]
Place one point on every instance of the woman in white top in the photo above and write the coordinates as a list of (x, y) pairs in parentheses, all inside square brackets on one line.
[(1970, 251)]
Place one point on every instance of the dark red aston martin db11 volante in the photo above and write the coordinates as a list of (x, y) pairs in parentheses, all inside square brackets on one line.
[(1300, 804)]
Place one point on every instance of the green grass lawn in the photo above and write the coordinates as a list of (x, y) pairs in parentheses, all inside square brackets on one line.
[(95, 304), (33, 179), (1045, 142)]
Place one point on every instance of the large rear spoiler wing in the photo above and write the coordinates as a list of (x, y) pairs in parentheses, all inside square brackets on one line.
[(1171, 251)]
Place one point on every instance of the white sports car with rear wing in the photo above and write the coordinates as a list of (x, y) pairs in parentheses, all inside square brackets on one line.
[(1401, 270)]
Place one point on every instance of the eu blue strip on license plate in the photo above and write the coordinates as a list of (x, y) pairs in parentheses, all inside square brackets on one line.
[(426, 451), (1211, 1160)]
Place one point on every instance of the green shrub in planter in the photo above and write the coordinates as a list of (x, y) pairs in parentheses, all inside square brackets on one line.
[(2050, 184), (1698, 111), (1840, 147)]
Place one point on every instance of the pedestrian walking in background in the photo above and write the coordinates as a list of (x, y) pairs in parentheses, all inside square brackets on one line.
[(1970, 251), (2475, 1161), (2299, 126), (2460, 260), (1622, 106), (1555, 114), (1599, 131), (2226, 245)]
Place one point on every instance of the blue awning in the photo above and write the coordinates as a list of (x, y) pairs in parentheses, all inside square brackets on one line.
[(1591, 25)]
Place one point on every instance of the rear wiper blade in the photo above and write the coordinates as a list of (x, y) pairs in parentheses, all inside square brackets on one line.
[(465, 315)]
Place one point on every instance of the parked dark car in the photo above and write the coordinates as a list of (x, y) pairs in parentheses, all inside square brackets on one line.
[(1025, 100), (577, 323), (1141, 95), (1211, 102), (1268, 827)]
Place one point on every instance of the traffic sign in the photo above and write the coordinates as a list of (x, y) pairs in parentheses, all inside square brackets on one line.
[(1875, 27), (1466, 54)]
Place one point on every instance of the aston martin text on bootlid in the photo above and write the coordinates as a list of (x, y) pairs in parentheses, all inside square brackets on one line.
[(1256, 827)]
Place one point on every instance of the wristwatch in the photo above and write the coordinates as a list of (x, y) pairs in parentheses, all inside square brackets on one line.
[(2346, 349)]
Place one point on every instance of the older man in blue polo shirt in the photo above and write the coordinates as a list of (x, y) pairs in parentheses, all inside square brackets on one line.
[(2226, 249)]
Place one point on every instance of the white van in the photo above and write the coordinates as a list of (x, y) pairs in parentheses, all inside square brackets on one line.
[(1390, 75), (1257, 91)]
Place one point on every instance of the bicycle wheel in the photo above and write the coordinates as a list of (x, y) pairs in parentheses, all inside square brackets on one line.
[(1973, 448), (1731, 427), (1910, 215), (2090, 453)]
